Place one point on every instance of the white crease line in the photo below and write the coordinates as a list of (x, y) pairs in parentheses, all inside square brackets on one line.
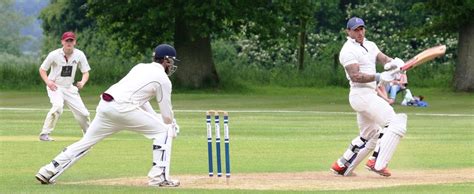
[(262, 111)]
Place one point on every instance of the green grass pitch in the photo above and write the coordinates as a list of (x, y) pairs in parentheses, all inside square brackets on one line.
[(273, 130)]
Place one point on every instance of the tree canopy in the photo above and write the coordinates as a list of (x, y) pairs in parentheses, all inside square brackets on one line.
[(455, 16), (11, 23), (270, 37)]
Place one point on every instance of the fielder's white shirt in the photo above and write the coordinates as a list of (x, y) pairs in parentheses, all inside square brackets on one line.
[(141, 84), (62, 70), (365, 55)]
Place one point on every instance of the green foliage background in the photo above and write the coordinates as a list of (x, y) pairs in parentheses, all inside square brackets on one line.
[(247, 58)]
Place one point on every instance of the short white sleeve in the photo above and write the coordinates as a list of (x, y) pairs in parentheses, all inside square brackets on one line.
[(83, 63), (47, 62), (346, 57)]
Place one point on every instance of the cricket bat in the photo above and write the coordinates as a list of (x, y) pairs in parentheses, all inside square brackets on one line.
[(426, 55)]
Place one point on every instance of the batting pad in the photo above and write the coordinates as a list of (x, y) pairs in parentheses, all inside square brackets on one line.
[(357, 144), (369, 147), (390, 140), (158, 152)]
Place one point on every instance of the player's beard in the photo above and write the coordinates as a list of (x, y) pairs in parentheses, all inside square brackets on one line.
[(169, 66), (360, 39)]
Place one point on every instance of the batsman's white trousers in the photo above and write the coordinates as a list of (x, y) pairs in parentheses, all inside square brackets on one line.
[(373, 112), (69, 96), (109, 120)]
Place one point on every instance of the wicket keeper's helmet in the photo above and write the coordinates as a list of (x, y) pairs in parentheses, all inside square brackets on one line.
[(165, 51)]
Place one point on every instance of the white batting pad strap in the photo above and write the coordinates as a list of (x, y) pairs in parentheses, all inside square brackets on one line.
[(398, 124), (162, 164), (159, 147)]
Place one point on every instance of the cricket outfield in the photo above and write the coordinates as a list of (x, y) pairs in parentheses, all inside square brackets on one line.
[(282, 140)]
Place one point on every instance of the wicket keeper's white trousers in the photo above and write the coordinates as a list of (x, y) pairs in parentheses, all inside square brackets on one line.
[(373, 112), (69, 96), (110, 120)]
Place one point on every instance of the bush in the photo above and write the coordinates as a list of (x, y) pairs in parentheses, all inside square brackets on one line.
[(234, 68), (19, 71), (246, 60)]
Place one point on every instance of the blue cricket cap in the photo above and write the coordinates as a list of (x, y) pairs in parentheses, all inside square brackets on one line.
[(354, 23)]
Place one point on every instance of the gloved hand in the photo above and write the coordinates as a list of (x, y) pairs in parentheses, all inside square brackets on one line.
[(396, 63), (388, 76), (174, 129)]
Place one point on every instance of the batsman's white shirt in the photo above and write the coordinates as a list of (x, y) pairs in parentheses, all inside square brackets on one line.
[(63, 70), (129, 110), (363, 54), (372, 111)]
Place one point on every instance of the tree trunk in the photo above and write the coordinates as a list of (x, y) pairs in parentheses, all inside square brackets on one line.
[(464, 73), (196, 67), (301, 44)]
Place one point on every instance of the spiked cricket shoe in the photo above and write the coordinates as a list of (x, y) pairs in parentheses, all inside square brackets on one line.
[(370, 165), (336, 169)]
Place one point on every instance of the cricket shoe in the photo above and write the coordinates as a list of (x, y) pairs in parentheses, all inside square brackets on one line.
[(45, 137), (161, 181), (44, 176), (370, 165), (165, 183), (338, 170), (169, 183)]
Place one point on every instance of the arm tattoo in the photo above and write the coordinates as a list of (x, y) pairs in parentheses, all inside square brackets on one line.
[(357, 76), (382, 58)]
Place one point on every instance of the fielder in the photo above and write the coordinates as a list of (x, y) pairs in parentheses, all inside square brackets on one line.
[(63, 63), (380, 128), (125, 105)]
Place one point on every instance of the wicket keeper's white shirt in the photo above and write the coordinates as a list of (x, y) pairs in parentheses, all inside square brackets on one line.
[(141, 84), (364, 54), (63, 70)]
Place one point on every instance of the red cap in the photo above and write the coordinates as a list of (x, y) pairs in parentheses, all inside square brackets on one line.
[(68, 35)]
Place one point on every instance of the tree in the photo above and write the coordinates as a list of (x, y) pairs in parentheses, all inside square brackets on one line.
[(61, 16), (64, 15), (303, 17), (190, 24), (456, 16), (136, 27), (11, 23)]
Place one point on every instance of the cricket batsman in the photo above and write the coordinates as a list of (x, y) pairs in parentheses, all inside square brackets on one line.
[(380, 128), (125, 105)]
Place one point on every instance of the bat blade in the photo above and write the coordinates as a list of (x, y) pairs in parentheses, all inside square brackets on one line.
[(426, 55)]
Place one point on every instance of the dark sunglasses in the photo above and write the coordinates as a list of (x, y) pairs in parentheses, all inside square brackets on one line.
[(70, 40)]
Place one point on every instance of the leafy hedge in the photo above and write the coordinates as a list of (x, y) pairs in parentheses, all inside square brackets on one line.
[(243, 59), (246, 59)]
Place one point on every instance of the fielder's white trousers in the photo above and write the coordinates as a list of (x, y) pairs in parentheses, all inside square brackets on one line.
[(65, 96)]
